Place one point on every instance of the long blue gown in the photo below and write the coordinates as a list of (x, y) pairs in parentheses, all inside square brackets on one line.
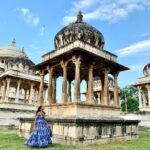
[(41, 135)]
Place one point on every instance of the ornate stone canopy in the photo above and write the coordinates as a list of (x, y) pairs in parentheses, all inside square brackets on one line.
[(81, 31), (77, 57), (146, 70)]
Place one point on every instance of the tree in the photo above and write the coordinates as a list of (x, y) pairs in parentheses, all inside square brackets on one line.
[(129, 99)]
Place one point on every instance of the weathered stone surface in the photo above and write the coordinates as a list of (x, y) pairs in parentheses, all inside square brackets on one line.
[(85, 131)]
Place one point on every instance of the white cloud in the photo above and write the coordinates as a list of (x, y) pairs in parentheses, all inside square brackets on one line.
[(29, 17), (137, 68), (33, 46), (145, 34), (140, 48), (42, 30), (104, 10)]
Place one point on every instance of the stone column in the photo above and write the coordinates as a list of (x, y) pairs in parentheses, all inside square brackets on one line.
[(116, 94), (77, 63), (144, 98), (25, 95), (18, 91), (7, 89), (69, 91), (37, 93), (102, 89), (99, 99), (44, 95), (4, 90), (54, 78), (31, 93), (90, 85), (140, 98), (105, 88), (64, 98), (49, 97), (86, 94), (41, 88), (148, 89)]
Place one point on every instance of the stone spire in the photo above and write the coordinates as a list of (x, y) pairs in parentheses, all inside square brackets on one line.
[(79, 17), (14, 42)]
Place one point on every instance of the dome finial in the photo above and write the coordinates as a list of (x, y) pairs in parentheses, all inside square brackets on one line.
[(14, 42), (79, 17)]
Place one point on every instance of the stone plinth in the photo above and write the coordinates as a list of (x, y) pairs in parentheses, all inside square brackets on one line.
[(9, 113), (86, 131), (81, 110)]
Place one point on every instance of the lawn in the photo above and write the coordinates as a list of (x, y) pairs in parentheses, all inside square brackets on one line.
[(9, 140)]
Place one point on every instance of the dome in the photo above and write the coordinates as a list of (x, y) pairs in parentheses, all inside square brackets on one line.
[(146, 70), (22, 64), (11, 51), (79, 30)]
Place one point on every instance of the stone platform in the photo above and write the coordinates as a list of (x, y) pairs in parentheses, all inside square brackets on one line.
[(75, 131), (10, 112), (82, 110)]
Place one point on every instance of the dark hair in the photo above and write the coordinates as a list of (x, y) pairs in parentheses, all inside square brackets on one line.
[(39, 109)]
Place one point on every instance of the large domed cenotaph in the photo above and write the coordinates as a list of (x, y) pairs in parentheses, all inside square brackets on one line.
[(19, 85), (79, 55)]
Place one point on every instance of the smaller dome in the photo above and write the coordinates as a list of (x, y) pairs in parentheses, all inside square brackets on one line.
[(11, 50), (22, 64), (146, 70)]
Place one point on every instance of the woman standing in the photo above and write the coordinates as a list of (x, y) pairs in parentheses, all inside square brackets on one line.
[(41, 134)]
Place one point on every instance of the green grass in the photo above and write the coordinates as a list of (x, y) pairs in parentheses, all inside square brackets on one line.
[(9, 140)]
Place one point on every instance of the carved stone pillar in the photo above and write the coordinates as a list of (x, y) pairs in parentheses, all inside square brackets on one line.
[(77, 63), (64, 84), (49, 97), (90, 85), (18, 91), (116, 94), (148, 89), (31, 93), (7, 89), (86, 95), (69, 91), (140, 98), (144, 98), (54, 78), (25, 95), (99, 98), (105, 88), (37, 93), (4, 90), (41, 88)]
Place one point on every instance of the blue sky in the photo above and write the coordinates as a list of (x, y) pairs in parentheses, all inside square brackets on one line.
[(125, 25)]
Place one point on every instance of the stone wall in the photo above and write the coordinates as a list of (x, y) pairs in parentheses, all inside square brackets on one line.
[(85, 131), (9, 114), (144, 118)]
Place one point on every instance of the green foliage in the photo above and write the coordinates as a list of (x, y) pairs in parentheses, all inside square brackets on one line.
[(129, 99), (11, 141)]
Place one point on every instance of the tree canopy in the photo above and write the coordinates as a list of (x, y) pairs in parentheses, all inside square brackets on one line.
[(129, 99)]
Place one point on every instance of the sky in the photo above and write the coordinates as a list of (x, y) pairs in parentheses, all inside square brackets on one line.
[(125, 25)]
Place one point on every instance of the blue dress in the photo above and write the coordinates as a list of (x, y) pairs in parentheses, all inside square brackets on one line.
[(41, 135)]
